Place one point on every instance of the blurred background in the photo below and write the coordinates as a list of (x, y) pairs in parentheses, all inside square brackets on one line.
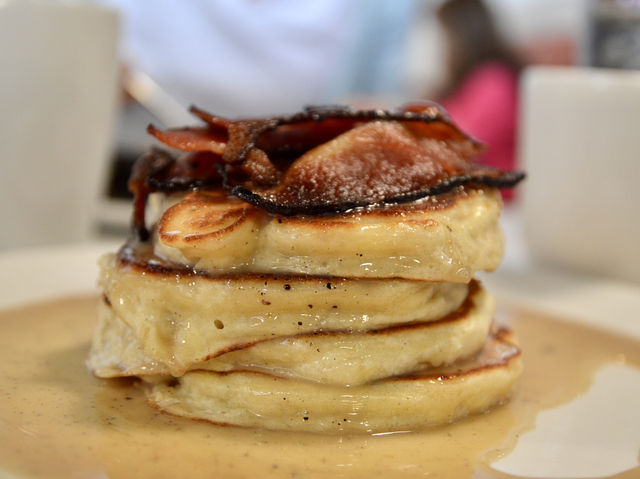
[(80, 81)]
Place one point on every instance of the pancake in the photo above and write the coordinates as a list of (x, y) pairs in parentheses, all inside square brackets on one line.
[(447, 240), (180, 318), (311, 272), (430, 398), (341, 358)]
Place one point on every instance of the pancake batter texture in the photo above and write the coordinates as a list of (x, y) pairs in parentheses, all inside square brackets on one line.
[(311, 272)]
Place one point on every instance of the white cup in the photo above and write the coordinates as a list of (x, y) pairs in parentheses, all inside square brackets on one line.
[(58, 87), (580, 145)]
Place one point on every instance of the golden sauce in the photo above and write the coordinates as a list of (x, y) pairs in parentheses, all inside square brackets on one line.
[(57, 420)]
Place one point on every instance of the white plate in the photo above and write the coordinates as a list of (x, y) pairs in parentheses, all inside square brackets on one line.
[(595, 435)]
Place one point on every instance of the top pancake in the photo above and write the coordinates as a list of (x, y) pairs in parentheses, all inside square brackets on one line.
[(444, 238)]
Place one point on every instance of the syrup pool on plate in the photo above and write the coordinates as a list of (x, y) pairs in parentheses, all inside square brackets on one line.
[(57, 420)]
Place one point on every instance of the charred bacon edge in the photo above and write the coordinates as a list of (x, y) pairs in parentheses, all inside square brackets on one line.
[(180, 184), (507, 180)]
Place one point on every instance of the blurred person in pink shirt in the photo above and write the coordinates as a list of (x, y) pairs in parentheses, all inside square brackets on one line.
[(481, 92)]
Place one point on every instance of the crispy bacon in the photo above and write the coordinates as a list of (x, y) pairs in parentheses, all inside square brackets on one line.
[(322, 160), (192, 138)]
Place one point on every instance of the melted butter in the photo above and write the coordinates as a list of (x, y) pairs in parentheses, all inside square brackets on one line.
[(57, 420)]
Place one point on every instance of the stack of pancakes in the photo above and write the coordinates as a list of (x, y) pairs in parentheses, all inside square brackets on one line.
[(360, 319)]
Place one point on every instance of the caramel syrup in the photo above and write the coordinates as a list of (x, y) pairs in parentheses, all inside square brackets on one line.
[(57, 420)]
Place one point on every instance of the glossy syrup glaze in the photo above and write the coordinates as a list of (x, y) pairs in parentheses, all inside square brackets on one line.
[(57, 420)]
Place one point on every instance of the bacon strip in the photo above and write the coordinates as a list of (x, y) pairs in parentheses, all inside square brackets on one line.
[(325, 160), (192, 138), (372, 164), (212, 120)]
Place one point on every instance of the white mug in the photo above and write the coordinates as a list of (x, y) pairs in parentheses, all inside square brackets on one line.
[(580, 145), (58, 90)]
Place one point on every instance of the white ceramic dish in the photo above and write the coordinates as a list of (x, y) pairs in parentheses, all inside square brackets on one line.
[(595, 435), (579, 144)]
